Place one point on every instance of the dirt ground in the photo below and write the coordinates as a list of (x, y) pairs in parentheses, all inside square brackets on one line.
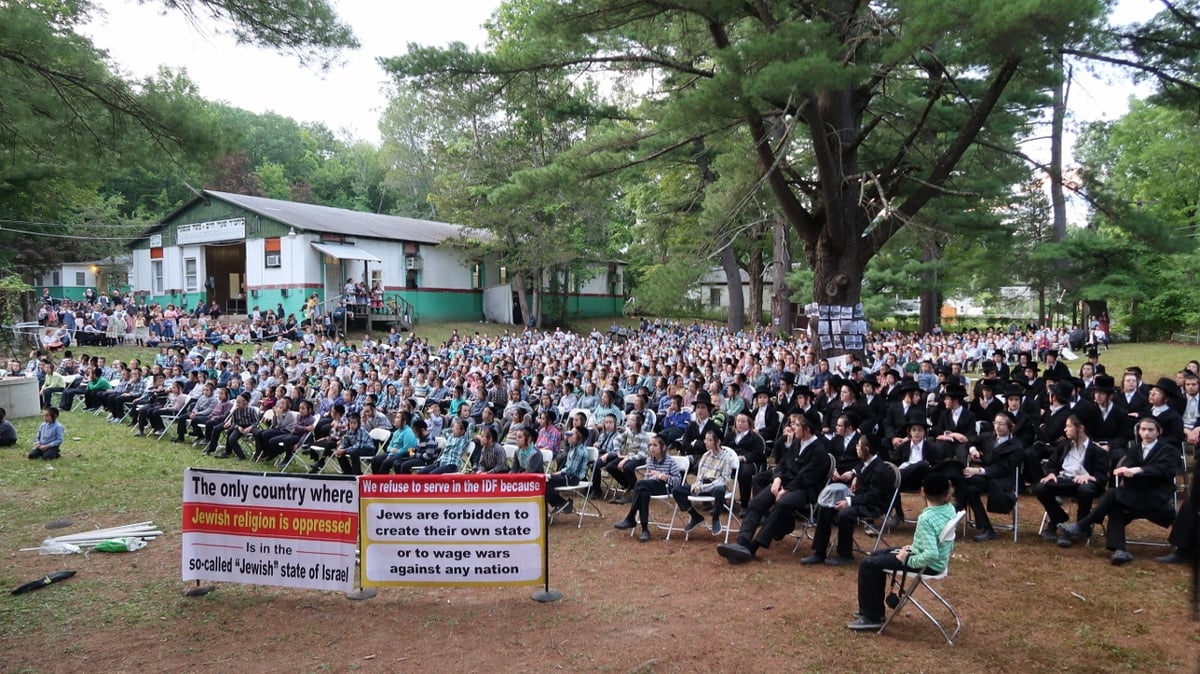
[(627, 607)]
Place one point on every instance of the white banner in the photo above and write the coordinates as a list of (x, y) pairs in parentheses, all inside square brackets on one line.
[(453, 529), (270, 529)]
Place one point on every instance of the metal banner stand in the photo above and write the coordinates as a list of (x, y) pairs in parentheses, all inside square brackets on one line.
[(546, 595)]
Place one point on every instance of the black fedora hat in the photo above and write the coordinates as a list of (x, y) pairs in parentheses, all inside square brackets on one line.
[(955, 391), (1104, 383), (1168, 387)]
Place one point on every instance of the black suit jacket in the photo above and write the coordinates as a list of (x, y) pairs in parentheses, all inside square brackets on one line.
[(1000, 462), (806, 471), (1054, 425), (933, 452), (771, 430), (751, 447), (965, 425), (1116, 428), (873, 489), (1172, 426), (1095, 460), (845, 451), (693, 436), (1149, 494)]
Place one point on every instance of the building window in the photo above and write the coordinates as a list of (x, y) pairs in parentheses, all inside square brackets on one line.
[(476, 276), (156, 275), (191, 275), (80, 279), (714, 297), (55, 279), (273, 248)]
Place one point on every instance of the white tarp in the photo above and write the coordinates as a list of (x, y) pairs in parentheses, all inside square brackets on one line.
[(498, 304)]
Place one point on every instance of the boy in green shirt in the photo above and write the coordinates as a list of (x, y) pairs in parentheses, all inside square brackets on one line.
[(926, 553)]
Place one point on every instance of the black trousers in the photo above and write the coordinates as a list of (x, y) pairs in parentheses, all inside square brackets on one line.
[(872, 581), (642, 491), (1183, 532), (778, 516), (555, 481), (1084, 495), (683, 491), (1119, 517), (846, 520)]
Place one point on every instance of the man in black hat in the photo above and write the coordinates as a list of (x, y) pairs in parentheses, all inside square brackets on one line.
[(785, 397), (692, 441), (908, 407), (955, 427), (1014, 404), (843, 447), (797, 479), (986, 403), (1000, 359), (1093, 358), (1051, 430), (1162, 394), (874, 404), (1111, 428), (915, 457), (1055, 367), (765, 416)]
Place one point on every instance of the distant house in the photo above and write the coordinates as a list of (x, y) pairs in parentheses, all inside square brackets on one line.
[(244, 251), (71, 280), (712, 292)]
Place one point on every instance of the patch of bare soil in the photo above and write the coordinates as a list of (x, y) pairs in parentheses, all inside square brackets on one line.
[(662, 606)]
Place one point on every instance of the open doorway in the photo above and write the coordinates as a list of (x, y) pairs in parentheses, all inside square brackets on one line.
[(225, 276)]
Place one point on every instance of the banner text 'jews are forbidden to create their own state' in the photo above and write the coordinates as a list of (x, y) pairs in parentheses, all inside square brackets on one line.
[(453, 529), (269, 529)]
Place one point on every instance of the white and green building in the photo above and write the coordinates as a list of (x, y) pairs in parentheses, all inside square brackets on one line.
[(252, 251)]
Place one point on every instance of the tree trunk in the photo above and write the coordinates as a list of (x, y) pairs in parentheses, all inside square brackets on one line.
[(755, 269), (733, 281), (537, 297), (1058, 200), (931, 299), (781, 265)]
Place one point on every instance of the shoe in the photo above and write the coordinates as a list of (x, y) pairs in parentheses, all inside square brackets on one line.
[(177, 440), (742, 513), (313, 470), (812, 560), (625, 524), (697, 520), (716, 527), (625, 499), (208, 452), (735, 553), (988, 534), (1173, 558), (865, 624), (569, 507), (558, 508), (1063, 541), (839, 561), (644, 536), (1071, 530), (1049, 535), (894, 521), (1120, 558), (222, 455), (139, 433)]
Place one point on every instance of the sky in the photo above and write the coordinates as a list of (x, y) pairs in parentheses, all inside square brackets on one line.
[(350, 96)]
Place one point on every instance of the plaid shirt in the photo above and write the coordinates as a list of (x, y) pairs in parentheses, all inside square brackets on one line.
[(576, 463), (452, 454), (714, 469)]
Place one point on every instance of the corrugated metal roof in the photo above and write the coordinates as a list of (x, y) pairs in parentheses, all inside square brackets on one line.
[(314, 218)]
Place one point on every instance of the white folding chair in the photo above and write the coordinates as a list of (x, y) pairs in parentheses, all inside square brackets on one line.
[(726, 506), (914, 580), (683, 462), (169, 419), (583, 488)]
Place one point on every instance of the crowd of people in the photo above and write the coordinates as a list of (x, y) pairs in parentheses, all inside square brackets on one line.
[(764, 426)]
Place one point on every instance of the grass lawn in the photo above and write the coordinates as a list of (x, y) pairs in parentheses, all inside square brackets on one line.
[(662, 606)]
